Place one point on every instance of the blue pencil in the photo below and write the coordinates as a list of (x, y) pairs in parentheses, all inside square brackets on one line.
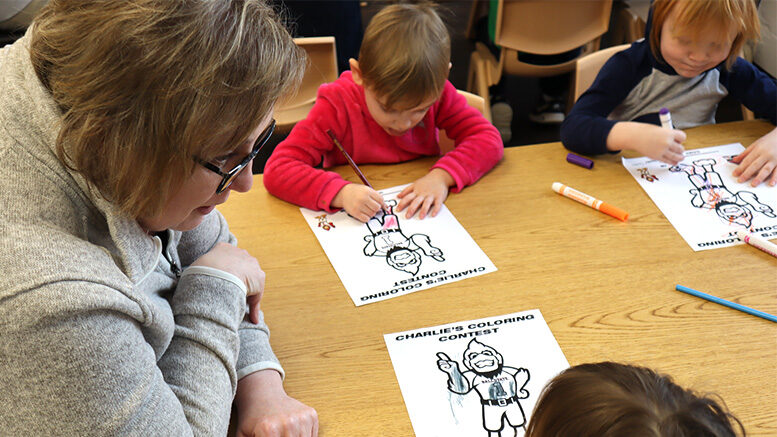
[(727, 303)]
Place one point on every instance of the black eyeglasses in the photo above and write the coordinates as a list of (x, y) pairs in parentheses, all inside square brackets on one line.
[(230, 176)]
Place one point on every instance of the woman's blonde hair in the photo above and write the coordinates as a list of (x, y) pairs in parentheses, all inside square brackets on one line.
[(611, 400), (405, 54), (145, 86), (694, 14)]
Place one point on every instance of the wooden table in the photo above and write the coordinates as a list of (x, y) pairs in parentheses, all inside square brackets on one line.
[(606, 288)]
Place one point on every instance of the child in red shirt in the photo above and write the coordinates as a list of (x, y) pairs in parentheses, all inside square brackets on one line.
[(388, 108)]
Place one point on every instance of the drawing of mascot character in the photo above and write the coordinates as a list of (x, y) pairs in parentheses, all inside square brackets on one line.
[(386, 239), (500, 387), (711, 193)]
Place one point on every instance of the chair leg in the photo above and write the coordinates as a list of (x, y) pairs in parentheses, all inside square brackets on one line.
[(571, 92), (471, 73), (477, 81), (482, 89)]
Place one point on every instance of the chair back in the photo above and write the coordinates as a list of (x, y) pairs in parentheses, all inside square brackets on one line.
[(588, 66), (321, 69), (547, 27), (474, 100), (627, 25)]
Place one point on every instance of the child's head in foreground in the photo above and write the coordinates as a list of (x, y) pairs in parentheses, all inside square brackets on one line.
[(694, 36), (403, 64), (617, 400)]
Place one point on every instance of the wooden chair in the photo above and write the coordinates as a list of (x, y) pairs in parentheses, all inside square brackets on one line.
[(588, 66), (542, 27), (627, 25), (477, 102), (321, 69)]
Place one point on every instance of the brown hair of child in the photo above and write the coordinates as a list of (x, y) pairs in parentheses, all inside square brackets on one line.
[(405, 54), (616, 400)]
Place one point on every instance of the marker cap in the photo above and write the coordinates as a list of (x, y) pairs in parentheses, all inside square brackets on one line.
[(614, 211), (579, 160), (665, 118)]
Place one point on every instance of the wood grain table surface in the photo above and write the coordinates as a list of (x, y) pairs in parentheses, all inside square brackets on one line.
[(605, 287)]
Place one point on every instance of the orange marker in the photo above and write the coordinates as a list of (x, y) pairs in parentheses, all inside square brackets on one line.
[(590, 201)]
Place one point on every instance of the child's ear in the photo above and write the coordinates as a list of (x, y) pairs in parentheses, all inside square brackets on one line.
[(356, 74)]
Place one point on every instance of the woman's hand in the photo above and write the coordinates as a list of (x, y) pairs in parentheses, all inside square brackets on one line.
[(650, 140), (234, 260), (265, 410), (426, 195), (759, 161), (359, 201)]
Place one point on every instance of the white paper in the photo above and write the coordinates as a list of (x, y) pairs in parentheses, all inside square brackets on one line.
[(703, 201), (392, 256), (502, 361)]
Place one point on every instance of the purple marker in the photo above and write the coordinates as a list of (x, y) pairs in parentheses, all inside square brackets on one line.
[(579, 160), (666, 118)]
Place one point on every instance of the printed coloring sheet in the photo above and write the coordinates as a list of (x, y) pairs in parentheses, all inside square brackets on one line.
[(703, 201), (477, 377), (391, 256)]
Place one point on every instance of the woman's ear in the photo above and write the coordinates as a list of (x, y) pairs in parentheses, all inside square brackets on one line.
[(355, 72)]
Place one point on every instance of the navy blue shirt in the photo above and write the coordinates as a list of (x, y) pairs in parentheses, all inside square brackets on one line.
[(633, 86)]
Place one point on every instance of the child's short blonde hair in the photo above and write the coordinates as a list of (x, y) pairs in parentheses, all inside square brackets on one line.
[(405, 54), (693, 14)]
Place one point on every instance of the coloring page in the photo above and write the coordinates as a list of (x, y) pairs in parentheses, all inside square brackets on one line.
[(703, 201), (391, 255), (475, 378)]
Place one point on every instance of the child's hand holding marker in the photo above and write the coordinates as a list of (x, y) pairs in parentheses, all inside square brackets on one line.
[(759, 161), (663, 143), (359, 201), (650, 140)]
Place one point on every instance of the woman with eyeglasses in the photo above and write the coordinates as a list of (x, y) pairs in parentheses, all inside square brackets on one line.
[(123, 124)]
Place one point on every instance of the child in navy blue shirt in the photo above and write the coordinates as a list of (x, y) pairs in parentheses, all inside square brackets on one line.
[(687, 63)]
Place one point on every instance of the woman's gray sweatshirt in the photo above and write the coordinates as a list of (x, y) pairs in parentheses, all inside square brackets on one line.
[(98, 336)]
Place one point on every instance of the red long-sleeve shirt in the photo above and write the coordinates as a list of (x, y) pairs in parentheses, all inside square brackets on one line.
[(290, 174)]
